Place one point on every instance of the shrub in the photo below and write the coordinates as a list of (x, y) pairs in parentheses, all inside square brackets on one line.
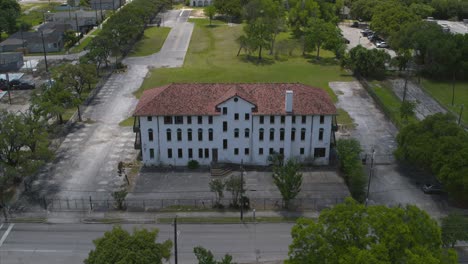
[(193, 164), (350, 164)]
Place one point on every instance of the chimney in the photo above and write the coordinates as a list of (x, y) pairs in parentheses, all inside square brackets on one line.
[(289, 101)]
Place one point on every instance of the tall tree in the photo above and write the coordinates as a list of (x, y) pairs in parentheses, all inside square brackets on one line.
[(353, 233), (258, 35), (288, 180), (390, 17), (119, 246), (319, 33), (236, 185), (368, 63), (53, 101), (10, 10), (407, 109), (454, 228), (210, 12), (299, 16)]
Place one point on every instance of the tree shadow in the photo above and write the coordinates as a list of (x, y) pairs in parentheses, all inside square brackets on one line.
[(321, 61), (254, 60), (212, 26)]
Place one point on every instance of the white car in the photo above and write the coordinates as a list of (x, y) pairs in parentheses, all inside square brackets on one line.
[(382, 44)]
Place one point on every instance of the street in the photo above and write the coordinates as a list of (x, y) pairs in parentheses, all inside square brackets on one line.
[(71, 243)]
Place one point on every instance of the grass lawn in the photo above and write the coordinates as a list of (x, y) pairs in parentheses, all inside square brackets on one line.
[(96, 32), (212, 58), (35, 16), (343, 118), (442, 92), (151, 42), (127, 122), (83, 43)]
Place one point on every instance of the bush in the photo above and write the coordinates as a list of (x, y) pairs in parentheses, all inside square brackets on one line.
[(350, 164), (193, 164)]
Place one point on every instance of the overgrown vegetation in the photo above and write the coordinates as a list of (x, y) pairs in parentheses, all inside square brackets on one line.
[(349, 151)]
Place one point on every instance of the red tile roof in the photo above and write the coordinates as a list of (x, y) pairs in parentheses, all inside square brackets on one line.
[(203, 98)]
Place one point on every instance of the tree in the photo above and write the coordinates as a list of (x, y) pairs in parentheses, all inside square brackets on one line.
[(320, 33), (454, 228), (407, 109), (210, 12), (70, 38), (299, 17), (237, 189), (368, 63), (217, 186), (53, 101), (206, 257), (258, 35), (349, 151), (119, 197), (364, 9), (288, 180), (10, 10), (230, 8), (389, 17), (353, 233), (119, 246)]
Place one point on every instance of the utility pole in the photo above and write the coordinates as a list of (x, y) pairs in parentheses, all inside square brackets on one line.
[(100, 6), (242, 191), (370, 175), (45, 52), (460, 115), (405, 88), (76, 21), (175, 239)]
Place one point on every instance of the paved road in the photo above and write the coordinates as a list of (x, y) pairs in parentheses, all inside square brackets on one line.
[(390, 185), (71, 243), (426, 104), (87, 160)]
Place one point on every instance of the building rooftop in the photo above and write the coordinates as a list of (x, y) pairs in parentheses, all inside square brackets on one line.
[(204, 98)]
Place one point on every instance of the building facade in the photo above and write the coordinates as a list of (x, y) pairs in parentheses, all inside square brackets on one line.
[(200, 2), (233, 123)]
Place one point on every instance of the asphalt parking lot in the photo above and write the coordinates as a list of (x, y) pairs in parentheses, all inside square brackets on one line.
[(355, 38)]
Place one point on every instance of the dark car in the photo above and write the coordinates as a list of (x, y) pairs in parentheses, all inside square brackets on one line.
[(24, 86), (15, 82), (433, 189)]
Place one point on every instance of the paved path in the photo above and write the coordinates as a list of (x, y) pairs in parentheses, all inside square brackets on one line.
[(71, 243), (426, 104), (87, 160), (390, 185)]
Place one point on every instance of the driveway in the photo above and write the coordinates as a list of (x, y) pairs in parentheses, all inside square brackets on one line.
[(390, 184), (86, 163)]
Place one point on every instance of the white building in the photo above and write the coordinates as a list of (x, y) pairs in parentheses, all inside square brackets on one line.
[(231, 123), (200, 2)]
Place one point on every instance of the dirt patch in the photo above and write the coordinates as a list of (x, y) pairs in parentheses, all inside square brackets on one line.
[(197, 13)]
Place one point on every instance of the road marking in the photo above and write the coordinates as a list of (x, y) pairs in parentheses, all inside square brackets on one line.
[(39, 250), (6, 234)]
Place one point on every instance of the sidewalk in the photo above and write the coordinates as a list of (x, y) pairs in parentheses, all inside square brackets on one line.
[(74, 217)]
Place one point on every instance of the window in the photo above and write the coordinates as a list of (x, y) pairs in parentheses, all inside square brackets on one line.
[(179, 120), (168, 120), (319, 152), (236, 151), (282, 134), (179, 153), (260, 151), (169, 153), (236, 133), (207, 153), (304, 119), (303, 132), (190, 153), (168, 135), (262, 119), (272, 119), (301, 151), (247, 116), (200, 134), (322, 119), (247, 151), (236, 99), (200, 153), (189, 120), (247, 133), (210, 120), (272, 134), (294, 119), (321, 134), (271, 151), (150, 134), (293, 134), (210, 134), (260, 134), (200, 120), (224, 110), (281, 151), (225, 144), (149, 118), (225, 127), (189, 134), (179, 134), (236, 116), (151, 153), (283, 118)]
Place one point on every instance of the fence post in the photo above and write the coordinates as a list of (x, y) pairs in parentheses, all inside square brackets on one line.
[(68, 204), (44, 202), (90, 203)]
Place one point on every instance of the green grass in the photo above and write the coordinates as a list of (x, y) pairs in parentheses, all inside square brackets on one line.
[(127, 122), (151, 42), (83, 43), (212, 58), (442, 92), (344, 119), (36, 16), (96, 32)]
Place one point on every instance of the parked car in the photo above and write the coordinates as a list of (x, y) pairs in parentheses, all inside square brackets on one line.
[(445, 27), (382, 44), (15, 82), (366, 32), (433, 189), (24, 86), (355, 24)]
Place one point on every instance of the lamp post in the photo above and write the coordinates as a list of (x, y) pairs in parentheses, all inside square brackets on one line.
[(175, 239), (242, 191), (370, 175), (45, 52)]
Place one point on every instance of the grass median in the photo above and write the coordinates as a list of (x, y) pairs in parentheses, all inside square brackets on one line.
[(211, 57), (151, 42)]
